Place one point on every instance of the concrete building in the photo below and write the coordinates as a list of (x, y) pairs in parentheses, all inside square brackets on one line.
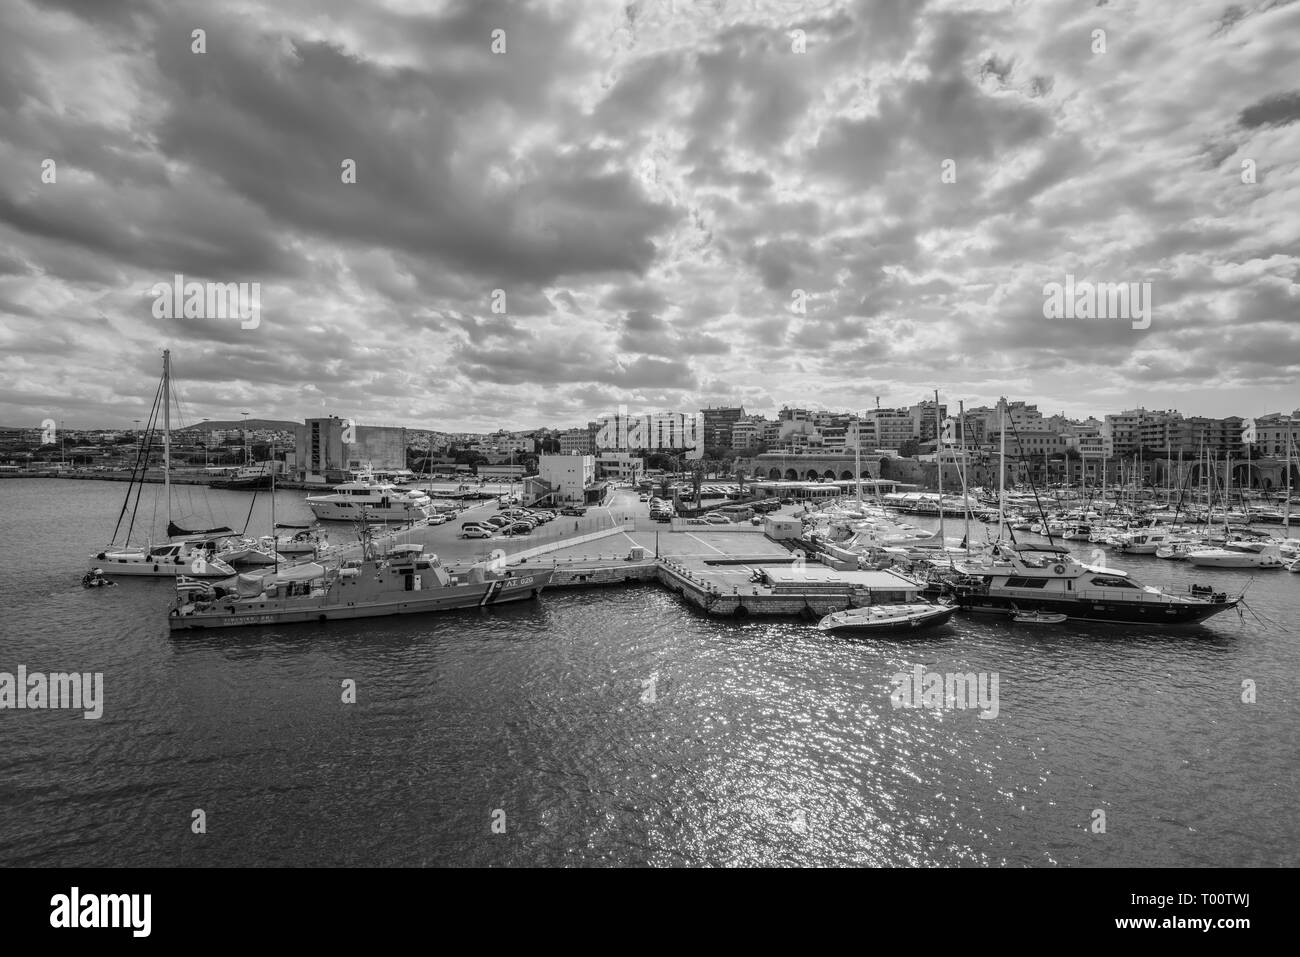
[(718, 423), (566, 479), (619, 466), (501, 473), (889, 428), (924, 424), (577, 441), (1267, 434), (323, 455), (747, 433)]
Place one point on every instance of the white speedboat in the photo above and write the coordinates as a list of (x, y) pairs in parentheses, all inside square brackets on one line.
[(1237, 555), (877, 619), (370, 500)]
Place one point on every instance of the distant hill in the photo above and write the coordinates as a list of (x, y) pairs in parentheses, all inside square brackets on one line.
[(240, 424)]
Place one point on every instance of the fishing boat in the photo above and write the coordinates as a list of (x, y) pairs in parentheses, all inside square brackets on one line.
[(1047, 578), (405, 581), (878, 619)]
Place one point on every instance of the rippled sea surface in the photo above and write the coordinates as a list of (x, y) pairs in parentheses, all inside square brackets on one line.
[(620, 727)]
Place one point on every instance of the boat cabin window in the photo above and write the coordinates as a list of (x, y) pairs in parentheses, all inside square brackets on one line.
[(1018, 582), (1108, 581)]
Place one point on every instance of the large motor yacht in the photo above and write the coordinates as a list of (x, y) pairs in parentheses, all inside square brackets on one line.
[(368, 499), (1049, 579)]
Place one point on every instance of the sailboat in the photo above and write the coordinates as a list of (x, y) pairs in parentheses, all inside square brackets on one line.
[(194, 556)]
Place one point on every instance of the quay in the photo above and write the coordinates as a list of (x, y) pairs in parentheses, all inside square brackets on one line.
[(733, 571)]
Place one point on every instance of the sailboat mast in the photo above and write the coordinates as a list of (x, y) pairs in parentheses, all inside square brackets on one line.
[(965, 492), (857, 461), (938, 458), (167, 432), (1286, 509), (275, 541), (1002, 465), (1227, 489)]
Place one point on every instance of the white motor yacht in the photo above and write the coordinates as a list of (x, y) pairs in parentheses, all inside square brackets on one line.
[(368, 499)]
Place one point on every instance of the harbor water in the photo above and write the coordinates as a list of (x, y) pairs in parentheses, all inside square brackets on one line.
[(620, 727)]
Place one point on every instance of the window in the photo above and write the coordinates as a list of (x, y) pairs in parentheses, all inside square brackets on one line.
[(1017, 582), (1108, 581)]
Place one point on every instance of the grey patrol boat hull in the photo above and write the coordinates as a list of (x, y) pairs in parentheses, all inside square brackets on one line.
[(370, 589)]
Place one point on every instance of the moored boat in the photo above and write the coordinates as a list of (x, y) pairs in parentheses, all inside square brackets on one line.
[(1238, 555), (878, 619), (372, 500), (403, 582), (1049, 579), (1039, 618)]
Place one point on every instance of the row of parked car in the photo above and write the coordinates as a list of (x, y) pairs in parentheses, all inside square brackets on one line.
[(513, 521)]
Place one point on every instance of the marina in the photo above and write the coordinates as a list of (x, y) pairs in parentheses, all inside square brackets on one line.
[(646, 435), (584, 653)]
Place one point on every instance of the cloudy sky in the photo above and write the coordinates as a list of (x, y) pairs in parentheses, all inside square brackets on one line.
[(655, 187)]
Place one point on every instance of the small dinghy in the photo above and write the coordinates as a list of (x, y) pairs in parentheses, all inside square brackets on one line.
[(876, 619), (95, 579), (1039, 618)]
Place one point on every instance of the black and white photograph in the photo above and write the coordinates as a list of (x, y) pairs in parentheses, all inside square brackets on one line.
[(650, 434)]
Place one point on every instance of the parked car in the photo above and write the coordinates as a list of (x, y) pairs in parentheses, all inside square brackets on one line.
[(662, 517), (437, 519), (577, 510), (518, 528), (717, 520), (475, 531), (499, 521), (696, 521)]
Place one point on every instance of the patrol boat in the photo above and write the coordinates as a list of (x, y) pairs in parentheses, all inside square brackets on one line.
[(405, 581)]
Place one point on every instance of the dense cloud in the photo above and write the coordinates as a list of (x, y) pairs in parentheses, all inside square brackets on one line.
[(658, 204)]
